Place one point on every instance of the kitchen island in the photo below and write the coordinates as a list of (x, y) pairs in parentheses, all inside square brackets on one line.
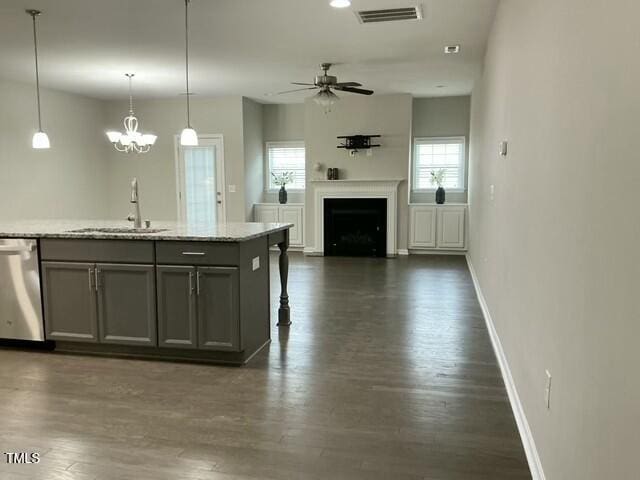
[(170, 291)]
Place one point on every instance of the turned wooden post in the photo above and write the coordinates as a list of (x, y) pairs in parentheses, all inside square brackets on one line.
[(284, 313)]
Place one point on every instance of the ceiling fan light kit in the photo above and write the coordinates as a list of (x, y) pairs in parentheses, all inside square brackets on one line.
[(40, 140), (327, 84)]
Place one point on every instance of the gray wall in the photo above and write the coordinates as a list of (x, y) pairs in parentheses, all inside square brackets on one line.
[(442, 117), (67, 181), (557, 260), (283, 123), (388, 115), (253, 154)]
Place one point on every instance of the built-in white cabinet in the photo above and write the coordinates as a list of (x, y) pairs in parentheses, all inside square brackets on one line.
[(437, 227), (287, 213)]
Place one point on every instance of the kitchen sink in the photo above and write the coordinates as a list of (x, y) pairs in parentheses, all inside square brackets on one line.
[(118, 230)]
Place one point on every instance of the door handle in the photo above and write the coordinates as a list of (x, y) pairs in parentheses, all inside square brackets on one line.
[(97, 274), (198, 283), (90, 270), (191, 289), (198, 254)]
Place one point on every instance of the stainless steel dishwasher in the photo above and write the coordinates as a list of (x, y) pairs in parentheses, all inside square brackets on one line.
[(20, 300)]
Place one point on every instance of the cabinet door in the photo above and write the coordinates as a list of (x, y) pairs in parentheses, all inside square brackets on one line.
[(451, 227), (423, 227), (177, 320), (218, 308), (69, 301), (266, 213), (293, 215), (126, 304)]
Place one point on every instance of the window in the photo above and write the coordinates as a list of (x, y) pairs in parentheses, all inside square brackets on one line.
[(286, 157), (433, 154)]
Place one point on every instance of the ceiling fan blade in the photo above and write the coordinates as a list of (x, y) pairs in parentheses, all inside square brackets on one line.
[(348, 84), (298, 83), (360, 91), (296, 90)]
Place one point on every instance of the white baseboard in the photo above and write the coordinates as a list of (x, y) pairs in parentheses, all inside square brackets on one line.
[(403, 251), (312, 252), (436, 252), (535, 465)]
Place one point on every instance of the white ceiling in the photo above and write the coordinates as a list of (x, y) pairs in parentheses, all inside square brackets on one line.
[(242, 47)]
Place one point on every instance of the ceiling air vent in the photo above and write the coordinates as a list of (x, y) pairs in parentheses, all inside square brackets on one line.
[(389, 15)]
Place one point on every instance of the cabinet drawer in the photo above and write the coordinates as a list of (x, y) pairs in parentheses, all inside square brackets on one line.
[(198, 253), (89, 250)]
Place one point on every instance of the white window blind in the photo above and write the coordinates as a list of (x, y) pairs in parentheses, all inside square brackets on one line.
[(433, 154), (200, 185), (286, 157)]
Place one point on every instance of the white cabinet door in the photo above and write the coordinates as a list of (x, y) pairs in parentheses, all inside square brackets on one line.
[(265, 213), (293, 215), (423, 227), (451, 222)]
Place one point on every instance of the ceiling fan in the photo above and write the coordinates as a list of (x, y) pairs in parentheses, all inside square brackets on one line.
[(326, 84)]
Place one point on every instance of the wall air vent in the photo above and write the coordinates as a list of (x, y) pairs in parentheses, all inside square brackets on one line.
[(389, 15)]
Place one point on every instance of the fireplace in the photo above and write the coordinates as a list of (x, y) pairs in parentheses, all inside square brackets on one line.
[(355, 227)]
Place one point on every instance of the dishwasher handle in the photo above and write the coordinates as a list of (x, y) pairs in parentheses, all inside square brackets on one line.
[(16, 250)]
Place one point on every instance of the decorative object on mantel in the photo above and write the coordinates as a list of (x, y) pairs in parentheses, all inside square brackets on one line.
[(281, 180), (437, 178), (333, 174), (131, 141), (353, 143), (40, 139)]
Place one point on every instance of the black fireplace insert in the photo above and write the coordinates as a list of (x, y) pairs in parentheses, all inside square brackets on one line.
[(355, 227)]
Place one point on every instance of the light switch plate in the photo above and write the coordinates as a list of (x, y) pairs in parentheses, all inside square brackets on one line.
[(504, 148), (256, 263), (232, 189)]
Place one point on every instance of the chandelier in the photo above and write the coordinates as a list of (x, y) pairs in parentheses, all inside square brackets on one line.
[(131, 141)]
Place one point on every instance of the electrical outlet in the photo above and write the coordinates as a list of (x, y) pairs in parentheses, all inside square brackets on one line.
[(232, 189), (255, 265), (547, 391), (370, 152), (492, 192)]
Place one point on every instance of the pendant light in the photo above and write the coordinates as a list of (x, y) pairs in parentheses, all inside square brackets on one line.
[(188, 137), (40, 139)]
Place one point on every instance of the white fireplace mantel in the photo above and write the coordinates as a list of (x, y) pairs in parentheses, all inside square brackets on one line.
[(387, 189)]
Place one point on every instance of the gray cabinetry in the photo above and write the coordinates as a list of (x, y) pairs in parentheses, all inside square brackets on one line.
[(106, 303), (177, 320), (126, 304), (70, 301), (218, 308), (199, 307)]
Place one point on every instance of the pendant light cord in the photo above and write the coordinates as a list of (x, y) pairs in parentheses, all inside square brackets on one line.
[(186, 57), (34, 14)]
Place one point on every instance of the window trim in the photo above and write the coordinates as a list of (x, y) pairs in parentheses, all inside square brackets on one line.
[(442, 140), (267, 164)]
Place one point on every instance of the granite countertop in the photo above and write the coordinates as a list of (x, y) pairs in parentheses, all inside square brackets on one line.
[(223, 232)]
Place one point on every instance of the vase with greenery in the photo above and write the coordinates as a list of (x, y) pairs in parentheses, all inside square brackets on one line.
[(437, 178), (281, 180)]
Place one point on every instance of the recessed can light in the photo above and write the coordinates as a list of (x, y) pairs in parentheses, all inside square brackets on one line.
[(452, 49), (340, 3)]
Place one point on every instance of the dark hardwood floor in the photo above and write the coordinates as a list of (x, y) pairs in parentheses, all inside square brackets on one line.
[(386, 373)]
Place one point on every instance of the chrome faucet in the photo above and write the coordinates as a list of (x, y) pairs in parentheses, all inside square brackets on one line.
[(135, 217)]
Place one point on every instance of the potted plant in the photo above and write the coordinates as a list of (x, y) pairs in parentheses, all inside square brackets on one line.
[(281, 180), (437, 178)]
